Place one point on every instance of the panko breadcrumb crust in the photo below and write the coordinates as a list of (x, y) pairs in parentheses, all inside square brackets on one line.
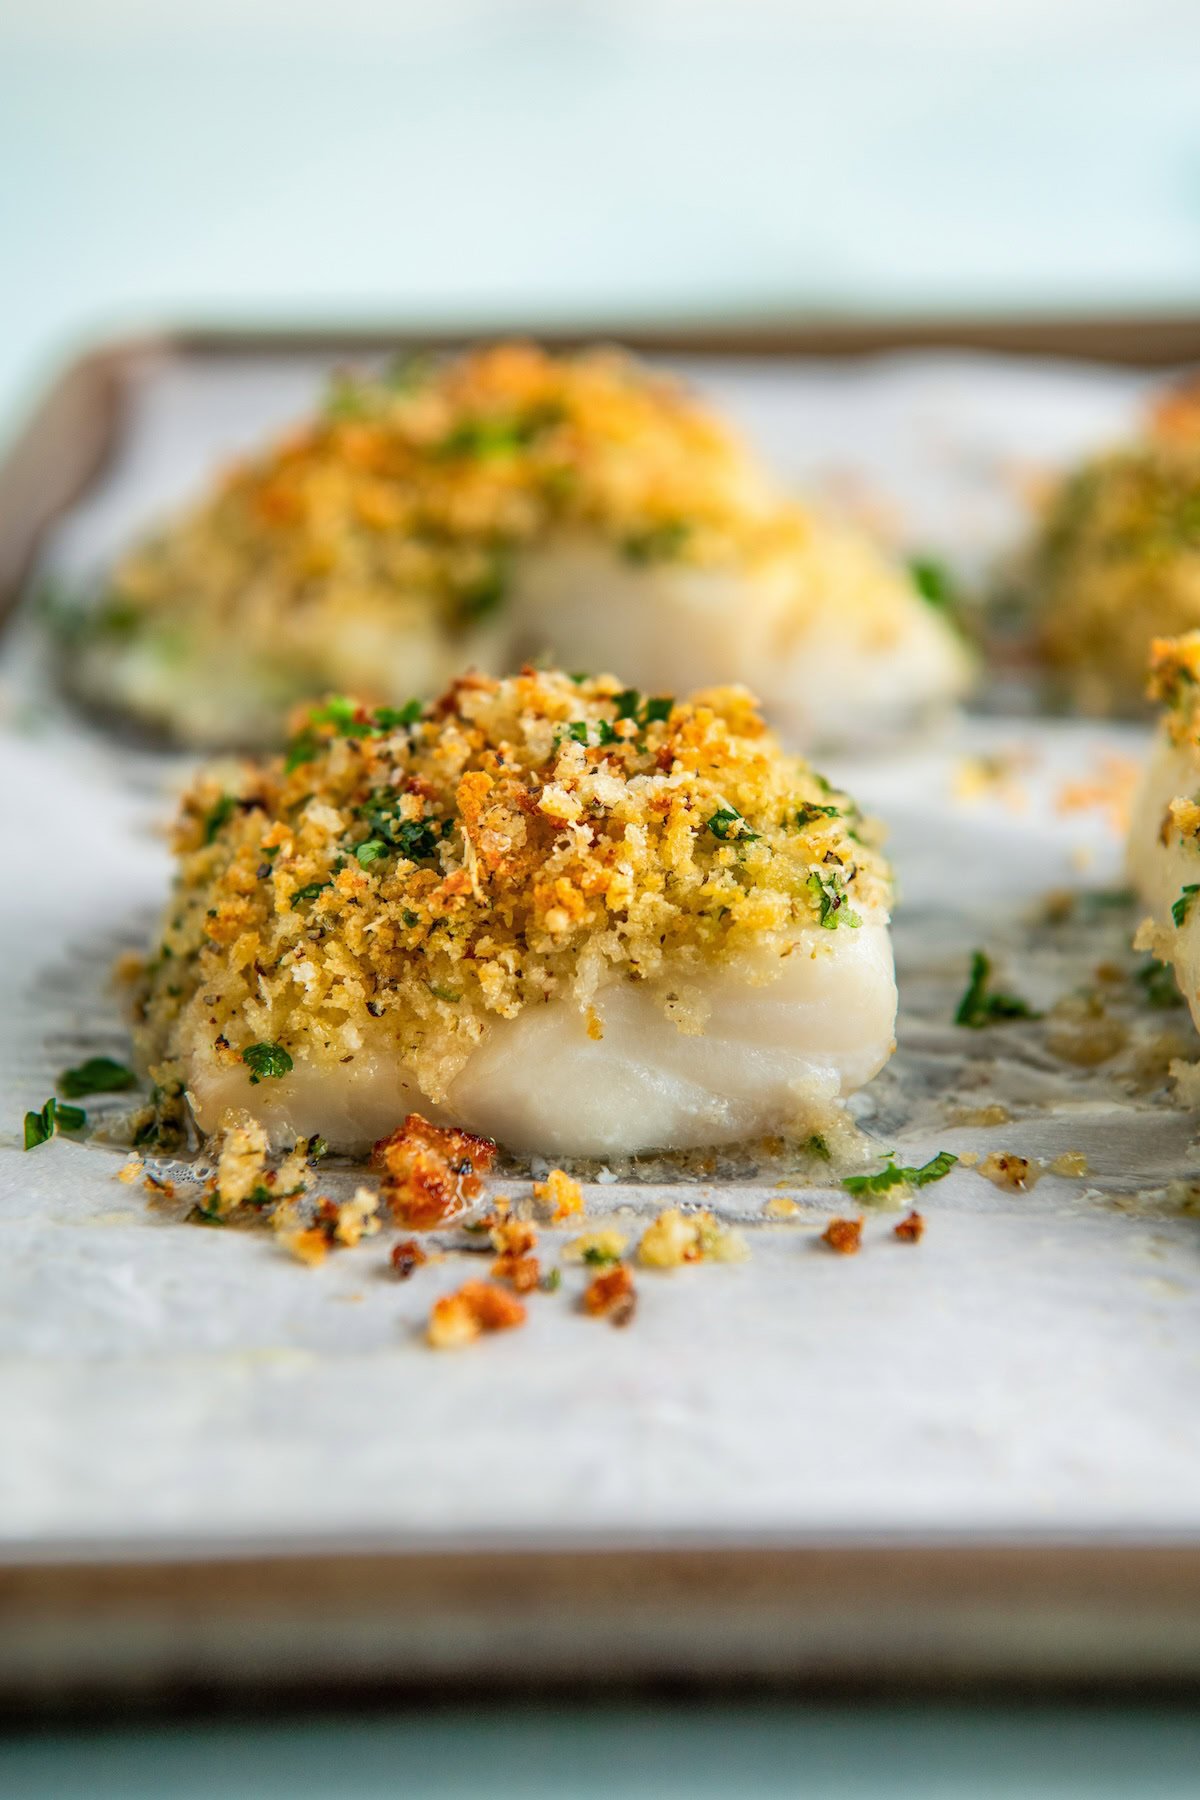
[(517, 841), (386, 531), (413, 483), (1118, 556)]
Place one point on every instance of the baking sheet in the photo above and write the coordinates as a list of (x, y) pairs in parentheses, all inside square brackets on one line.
[(1030, 1367)]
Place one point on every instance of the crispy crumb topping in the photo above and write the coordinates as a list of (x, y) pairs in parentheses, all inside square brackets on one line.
[(411, 490), (399, 881), (843, 1236), (611, 1295), (1119, 558)]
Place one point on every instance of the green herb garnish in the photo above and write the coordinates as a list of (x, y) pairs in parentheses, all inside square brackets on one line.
[(832, 902), (936, 585), (817, 1146), (415, 839), (730, 826), (309, 891), (54, 1116), (266, 1062), (98, 1075), (220, 815), (891, 1176), (1158, 985), (1180, 908), (658, 543), (808, 813), (481, 597), (979, 1006), (498, 436), (600, 1258), (580, 731)]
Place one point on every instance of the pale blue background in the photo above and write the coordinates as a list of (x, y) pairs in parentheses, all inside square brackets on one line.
[(478, 159), (475, 161)]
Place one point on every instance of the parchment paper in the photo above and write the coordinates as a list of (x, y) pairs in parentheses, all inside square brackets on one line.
[(1032, 1364)]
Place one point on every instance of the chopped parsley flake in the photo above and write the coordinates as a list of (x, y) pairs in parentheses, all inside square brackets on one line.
[(1181, 907), (1158, 985), (817, 1146), (890, 1176), (98, 1075), (309, 891), (600, 1258), (415, 839), (580, 731), (498, 436), (220, 815), (832, 901), (729, 825), (266, 1062), (54, 1116), (484, 596), (808, 813), (936, 585), (979, 1006), (349, 720), (659, 543)]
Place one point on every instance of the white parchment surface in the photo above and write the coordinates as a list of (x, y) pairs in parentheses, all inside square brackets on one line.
[(1032, 1364)]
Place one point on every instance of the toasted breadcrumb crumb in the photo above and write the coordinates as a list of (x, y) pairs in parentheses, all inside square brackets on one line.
[(512, 1237), (561, 1194), (676, 1237), (1072, 1164), (611, 1295), (429, 1174), (477, 1306), (844, 1236), (131, 1171), (522, 1273), (406, 1258), (1017, 1173), (243, 1151), (781, 1207), (910, 1230)]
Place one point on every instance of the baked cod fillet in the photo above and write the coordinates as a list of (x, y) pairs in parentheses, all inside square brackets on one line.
[(554, 911), (1164, 840), (507, 506)]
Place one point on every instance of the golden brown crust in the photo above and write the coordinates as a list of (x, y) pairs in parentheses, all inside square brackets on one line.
[(522, 840)]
